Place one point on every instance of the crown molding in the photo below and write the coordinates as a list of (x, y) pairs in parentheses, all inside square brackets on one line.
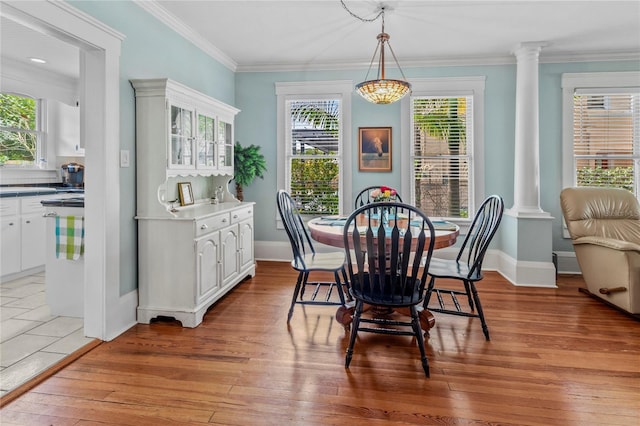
[(164, 16), (548, 58), (604, 56)]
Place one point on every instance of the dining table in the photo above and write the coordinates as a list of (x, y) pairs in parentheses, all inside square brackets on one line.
[(329, 230)]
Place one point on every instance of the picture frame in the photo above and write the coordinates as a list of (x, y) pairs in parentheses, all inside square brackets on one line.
[(185, 193), (374, 149)]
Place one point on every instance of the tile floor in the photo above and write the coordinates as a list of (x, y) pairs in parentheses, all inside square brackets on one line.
[(31, 339)]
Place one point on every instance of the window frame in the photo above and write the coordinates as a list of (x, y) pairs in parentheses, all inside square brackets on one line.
[(39, 132), (576, 81), (447, 88), (320, 90)]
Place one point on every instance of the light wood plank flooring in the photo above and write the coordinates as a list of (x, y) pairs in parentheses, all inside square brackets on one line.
[(557, 357)]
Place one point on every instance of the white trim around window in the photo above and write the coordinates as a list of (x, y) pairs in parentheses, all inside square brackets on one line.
[(570, 83), (449, 87), (341, 89)]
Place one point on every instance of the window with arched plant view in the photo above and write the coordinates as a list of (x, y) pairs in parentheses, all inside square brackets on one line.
[(20, 136)]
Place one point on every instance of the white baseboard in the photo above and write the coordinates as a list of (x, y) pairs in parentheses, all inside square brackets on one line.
[(519, 273), (526, 273)]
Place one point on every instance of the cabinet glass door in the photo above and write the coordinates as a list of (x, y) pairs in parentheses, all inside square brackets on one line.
[(181, 150), (206, 142), (225, 145)]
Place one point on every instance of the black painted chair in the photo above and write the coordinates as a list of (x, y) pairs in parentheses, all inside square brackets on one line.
[(387, 268), (306, 260), (364, 196), (467, 267)]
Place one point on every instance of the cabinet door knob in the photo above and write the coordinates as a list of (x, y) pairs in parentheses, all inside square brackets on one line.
[(204, 226), (224, 220), (235, 216), (28, 221)]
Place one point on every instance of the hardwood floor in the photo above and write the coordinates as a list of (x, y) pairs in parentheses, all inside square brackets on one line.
[(557, 357)]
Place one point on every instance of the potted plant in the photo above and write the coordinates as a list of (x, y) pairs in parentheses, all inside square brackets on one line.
[(249, 164)]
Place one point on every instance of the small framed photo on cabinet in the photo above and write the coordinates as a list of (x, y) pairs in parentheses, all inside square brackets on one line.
[(185, 193)]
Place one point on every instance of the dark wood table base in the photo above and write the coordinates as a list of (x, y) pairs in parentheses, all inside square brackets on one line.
[(344, 315)]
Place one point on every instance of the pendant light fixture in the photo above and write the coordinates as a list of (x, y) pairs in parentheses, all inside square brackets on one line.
[(383, 90)]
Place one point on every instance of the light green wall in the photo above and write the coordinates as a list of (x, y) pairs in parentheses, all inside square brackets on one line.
[(255, 96), (150, 50)]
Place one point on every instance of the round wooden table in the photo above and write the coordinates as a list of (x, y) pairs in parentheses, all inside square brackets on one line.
[(331, 233)]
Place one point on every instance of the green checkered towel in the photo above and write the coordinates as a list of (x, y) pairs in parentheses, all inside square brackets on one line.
[(69, 237)]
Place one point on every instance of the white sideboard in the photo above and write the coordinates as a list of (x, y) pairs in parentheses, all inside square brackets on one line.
[(187, 263), (188, 256)]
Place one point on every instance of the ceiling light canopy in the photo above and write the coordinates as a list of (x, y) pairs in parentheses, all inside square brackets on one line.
[(383, 90)]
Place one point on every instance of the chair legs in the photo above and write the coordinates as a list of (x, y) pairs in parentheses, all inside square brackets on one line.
[(472, 297), (354, 332), (415, 322), (415, 326), (303, 280), (485, 329), (296, 291)]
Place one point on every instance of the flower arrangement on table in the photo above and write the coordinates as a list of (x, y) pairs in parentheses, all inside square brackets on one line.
[(384, 193)]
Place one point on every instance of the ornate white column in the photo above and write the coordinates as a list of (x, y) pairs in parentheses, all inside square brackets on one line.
[(526, 191), (526, 228)]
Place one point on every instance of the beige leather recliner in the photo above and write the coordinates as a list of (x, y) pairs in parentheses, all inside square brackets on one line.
[(604, 225)]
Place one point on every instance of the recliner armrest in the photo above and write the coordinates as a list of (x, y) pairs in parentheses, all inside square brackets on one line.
[(609, 243)]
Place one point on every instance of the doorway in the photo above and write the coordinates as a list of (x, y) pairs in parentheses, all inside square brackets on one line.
[(107, 312)]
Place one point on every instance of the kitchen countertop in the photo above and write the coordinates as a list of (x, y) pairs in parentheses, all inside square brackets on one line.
[(25, 191), (64, 202)]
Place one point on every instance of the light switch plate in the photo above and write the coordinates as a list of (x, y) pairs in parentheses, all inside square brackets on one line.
[(124, 158)]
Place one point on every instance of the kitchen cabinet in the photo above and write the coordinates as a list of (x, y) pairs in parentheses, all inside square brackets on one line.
[(10, 241), (189, 262), (63, 128), (23, 238), (33, 231)]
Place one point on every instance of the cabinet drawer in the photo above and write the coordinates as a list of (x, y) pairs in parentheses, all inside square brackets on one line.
[(204, 226), (9, 206), (32, 204), (241, 214)]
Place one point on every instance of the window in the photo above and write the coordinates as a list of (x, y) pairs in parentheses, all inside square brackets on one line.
[(601, 141), (313, 155), (20, 135), (312, 135), (441, 157), (446, 146)]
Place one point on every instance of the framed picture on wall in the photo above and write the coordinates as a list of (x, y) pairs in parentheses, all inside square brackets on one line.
[(185, 193), (374, 149)]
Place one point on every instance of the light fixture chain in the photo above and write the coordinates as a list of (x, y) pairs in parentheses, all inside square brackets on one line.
[(396, 59), (375, 18)]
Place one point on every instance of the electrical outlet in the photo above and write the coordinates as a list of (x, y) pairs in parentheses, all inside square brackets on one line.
[(124, 158)]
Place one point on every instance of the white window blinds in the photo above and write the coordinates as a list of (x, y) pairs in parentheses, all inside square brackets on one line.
[(442, 131), (606, 137), (313, 155)]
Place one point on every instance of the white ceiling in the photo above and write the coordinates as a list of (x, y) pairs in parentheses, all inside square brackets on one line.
[(19, 43), (311, 34), (316, 34)]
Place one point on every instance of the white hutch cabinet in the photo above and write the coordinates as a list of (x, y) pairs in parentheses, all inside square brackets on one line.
[(188, 256)]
